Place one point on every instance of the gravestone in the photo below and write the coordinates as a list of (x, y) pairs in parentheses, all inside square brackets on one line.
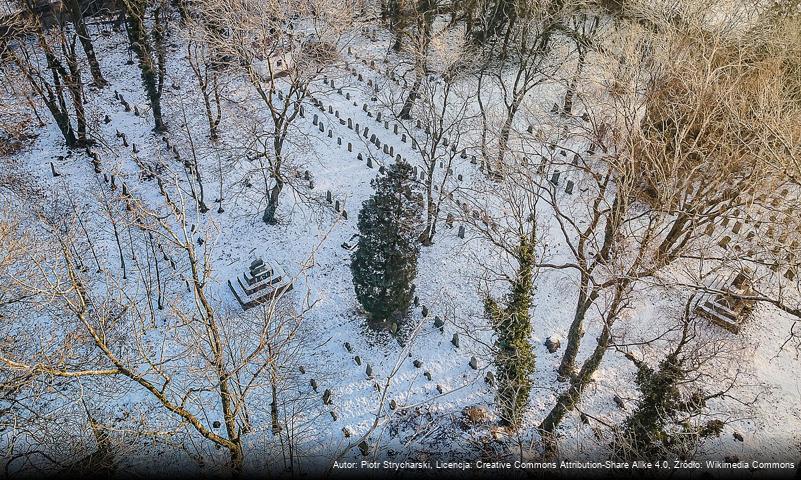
[(555, 178), (473, 363), (461, 231), (455, 340), (569, 187), (552, 344)]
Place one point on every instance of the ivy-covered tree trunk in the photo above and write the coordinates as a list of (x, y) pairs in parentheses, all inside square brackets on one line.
[(514, 360), (138, 37)]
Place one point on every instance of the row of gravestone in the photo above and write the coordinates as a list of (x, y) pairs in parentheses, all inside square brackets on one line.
[(390, 149), (554, 177), (746, 230)]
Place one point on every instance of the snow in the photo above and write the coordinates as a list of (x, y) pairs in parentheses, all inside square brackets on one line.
[(448, 282)]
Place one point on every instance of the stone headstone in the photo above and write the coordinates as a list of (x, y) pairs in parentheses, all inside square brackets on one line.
[(455, 340), (473, 363), (552, 344), (461, 231)]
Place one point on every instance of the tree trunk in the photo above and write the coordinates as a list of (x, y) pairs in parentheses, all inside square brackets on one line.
[(427, 237), (272, 203), (406, 111), (568, 365), (78, 22), (506, 130), (567, 106), (568, 400), (137, 36)]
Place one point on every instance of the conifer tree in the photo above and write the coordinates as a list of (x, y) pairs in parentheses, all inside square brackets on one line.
[(385, 261)]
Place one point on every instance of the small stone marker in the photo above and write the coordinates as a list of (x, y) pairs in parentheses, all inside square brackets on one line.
[(552, 344)]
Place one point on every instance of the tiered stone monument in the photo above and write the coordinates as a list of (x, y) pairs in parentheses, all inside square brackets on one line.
[(729, 310), (260, 284)]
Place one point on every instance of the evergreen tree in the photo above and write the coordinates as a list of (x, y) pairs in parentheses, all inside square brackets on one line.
[(515, 359), (385, 261)]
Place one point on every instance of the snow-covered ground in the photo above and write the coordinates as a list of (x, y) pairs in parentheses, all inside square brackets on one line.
[(428, 413)]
